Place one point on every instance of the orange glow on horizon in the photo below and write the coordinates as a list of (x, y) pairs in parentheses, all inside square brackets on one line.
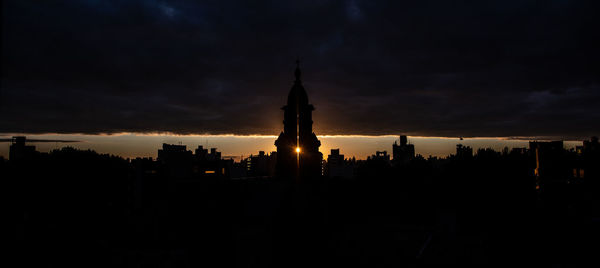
[(132, 145)]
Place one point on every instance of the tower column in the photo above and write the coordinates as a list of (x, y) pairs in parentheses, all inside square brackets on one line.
[(297, 146)]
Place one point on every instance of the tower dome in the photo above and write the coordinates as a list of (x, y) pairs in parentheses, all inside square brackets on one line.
[(297, 95)]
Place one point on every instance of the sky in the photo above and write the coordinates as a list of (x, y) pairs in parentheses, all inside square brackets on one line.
[(422, 68)]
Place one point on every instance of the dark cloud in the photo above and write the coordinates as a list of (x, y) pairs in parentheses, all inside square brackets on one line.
[(441, 68)]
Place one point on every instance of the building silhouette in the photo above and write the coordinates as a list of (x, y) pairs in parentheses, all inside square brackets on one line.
[(403, 153), (203, 154), (18, 149), (380, 156), (464, 152), (260, 165), (179, 163), (337, 166), (551, 166), (591, 157), (298, 153)]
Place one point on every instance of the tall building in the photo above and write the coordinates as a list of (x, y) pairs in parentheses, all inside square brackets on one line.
[(18, 149), (260, 165), (591, 159), (175, 160), (403, 152), (335, 158), (551, 167), (203, 154), (337, 166), (298, 153)]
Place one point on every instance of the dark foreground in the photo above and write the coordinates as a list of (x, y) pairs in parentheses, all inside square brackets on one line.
[(95, 211)]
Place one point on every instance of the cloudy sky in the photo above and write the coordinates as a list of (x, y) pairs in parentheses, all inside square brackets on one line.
[(430, 68)]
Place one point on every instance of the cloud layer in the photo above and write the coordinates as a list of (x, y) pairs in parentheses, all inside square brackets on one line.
[(436, 68)]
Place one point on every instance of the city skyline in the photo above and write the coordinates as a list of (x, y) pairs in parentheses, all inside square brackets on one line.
[(132, 145)]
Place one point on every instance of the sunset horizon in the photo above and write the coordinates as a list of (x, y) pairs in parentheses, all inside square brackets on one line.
[(148, 143)]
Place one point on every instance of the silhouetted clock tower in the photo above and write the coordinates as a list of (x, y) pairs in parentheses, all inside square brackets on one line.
[(297, 146)]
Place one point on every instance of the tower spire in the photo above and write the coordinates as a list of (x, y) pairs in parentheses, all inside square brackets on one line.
[(297, 73)]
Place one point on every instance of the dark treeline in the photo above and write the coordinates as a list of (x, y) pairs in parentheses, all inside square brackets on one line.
[(79, 207)]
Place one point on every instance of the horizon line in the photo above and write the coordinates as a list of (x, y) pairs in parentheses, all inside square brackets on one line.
[(168, 133)]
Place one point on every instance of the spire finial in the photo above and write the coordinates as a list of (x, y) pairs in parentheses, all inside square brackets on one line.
[(297, 73)]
